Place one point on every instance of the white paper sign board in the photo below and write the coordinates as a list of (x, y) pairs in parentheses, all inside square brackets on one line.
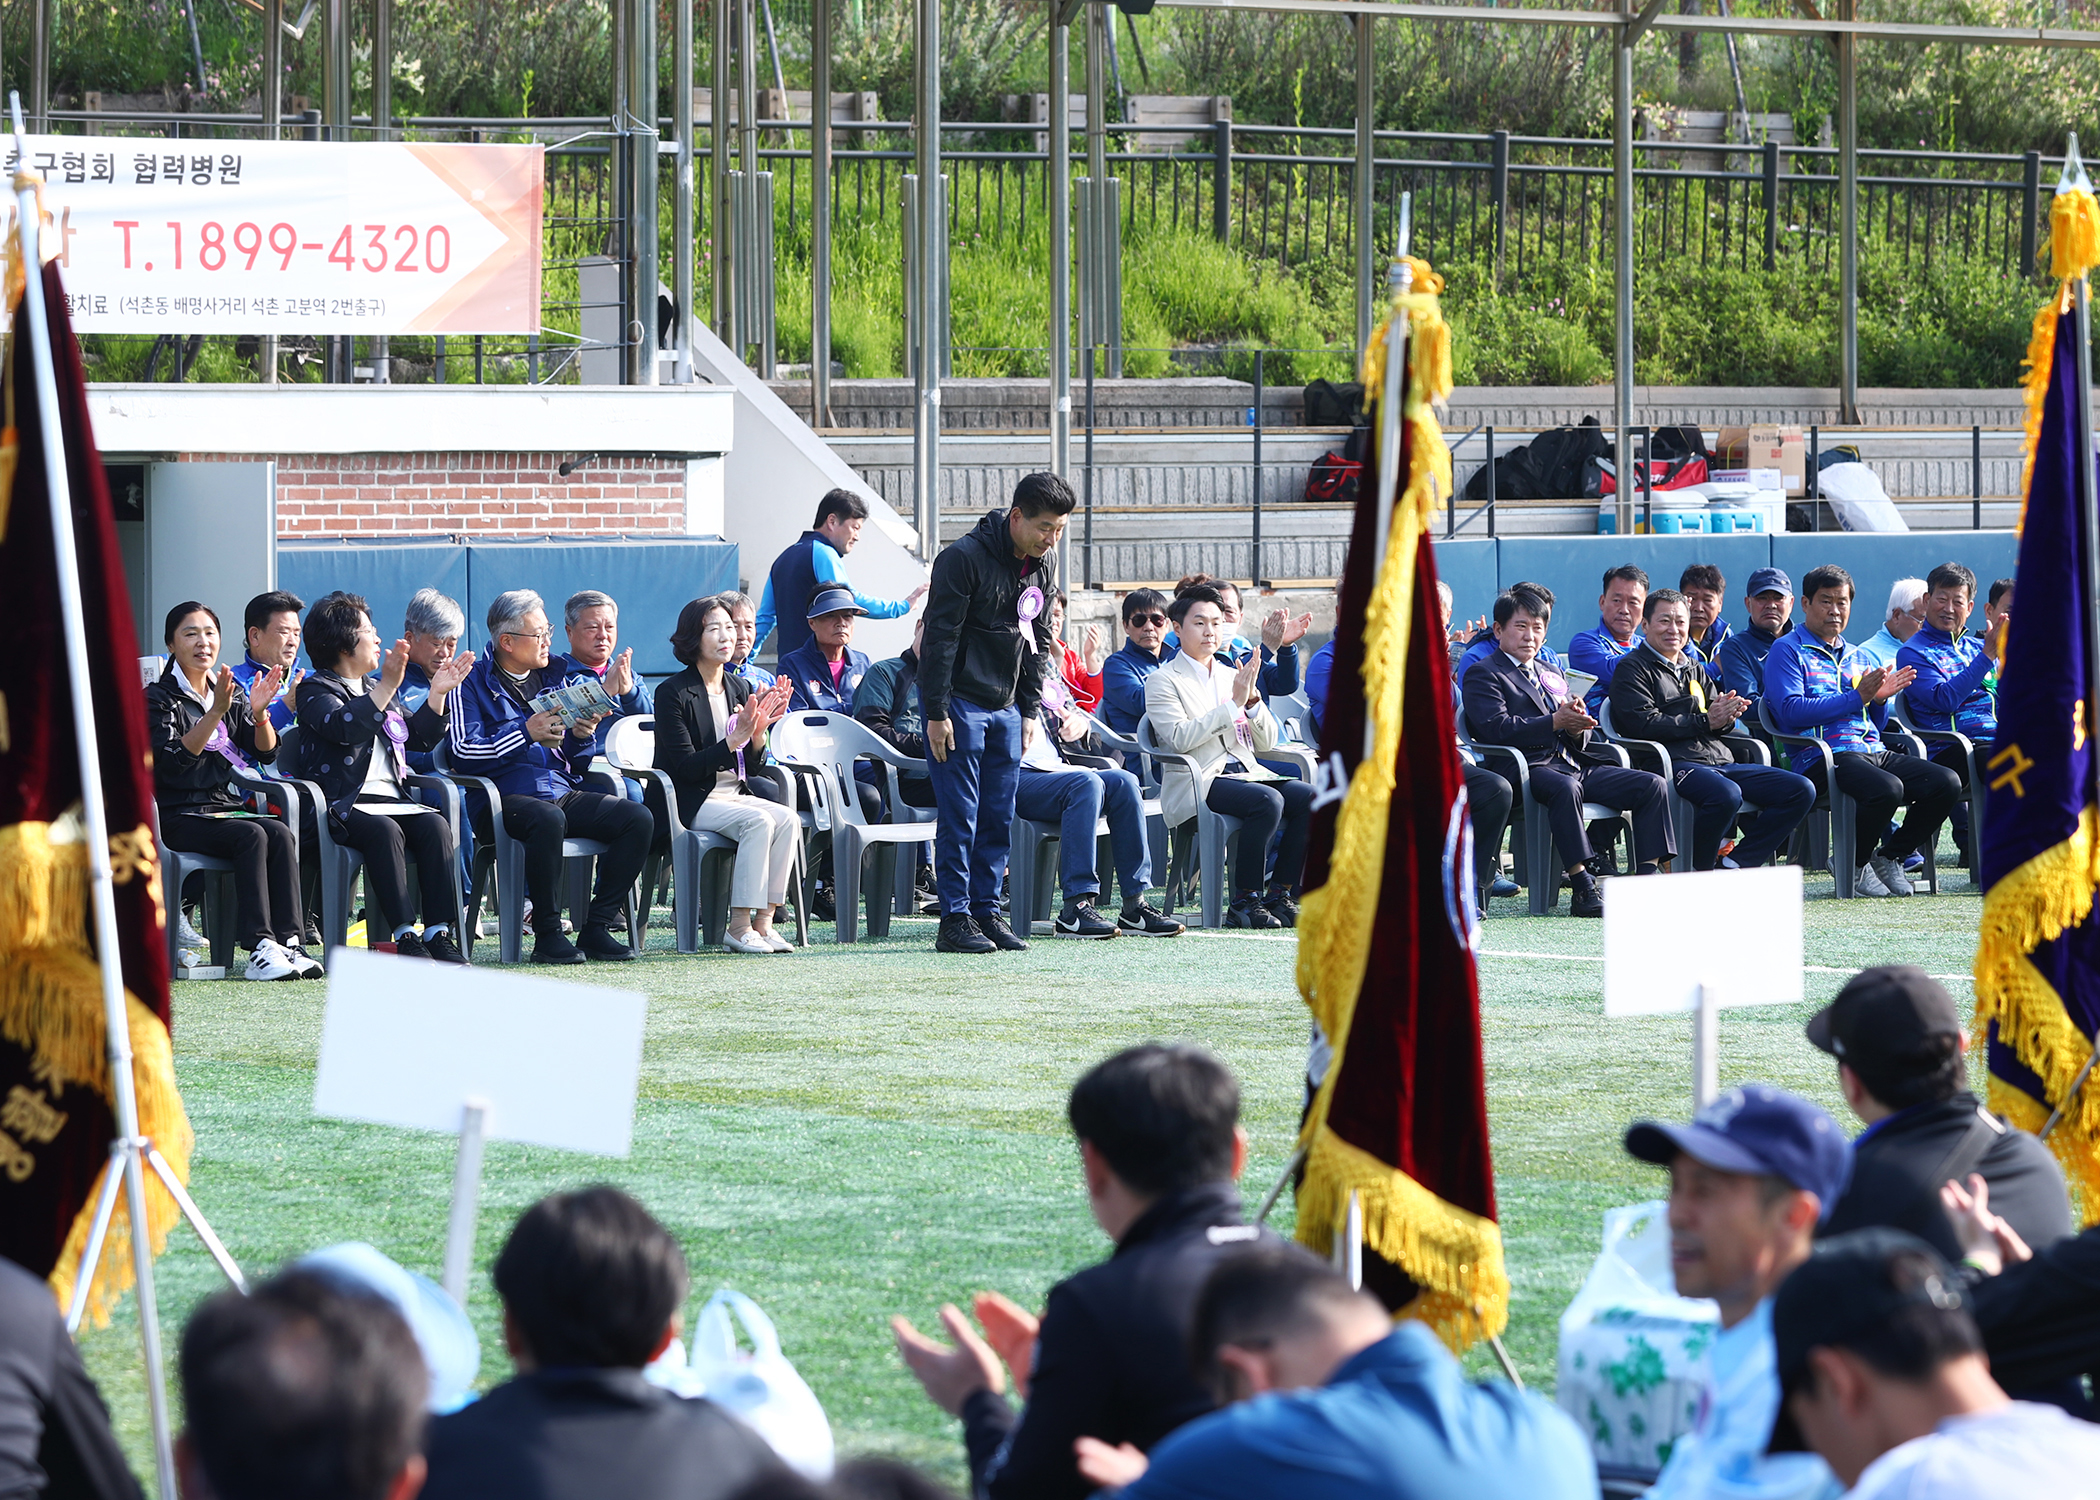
[(1737, 931), (407, 1042)]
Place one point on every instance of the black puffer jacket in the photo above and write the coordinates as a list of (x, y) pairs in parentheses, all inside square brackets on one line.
[(186, 783), (340, 731), (1653, 700), (973, 647)]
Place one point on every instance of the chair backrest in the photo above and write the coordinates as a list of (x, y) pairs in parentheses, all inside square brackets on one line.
[(829, 744), (288, 762), (630, 744), (1293, 713)]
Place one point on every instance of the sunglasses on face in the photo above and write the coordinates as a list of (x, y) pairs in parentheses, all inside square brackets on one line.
[(1151, 619)]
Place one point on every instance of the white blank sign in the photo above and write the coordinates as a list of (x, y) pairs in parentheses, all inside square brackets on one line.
[(408, 1042), (1736, 931)]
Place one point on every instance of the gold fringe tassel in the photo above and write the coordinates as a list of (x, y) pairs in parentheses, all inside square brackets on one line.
[(43, 888), (2073, 250), (51, 1003), (1454, 1255)]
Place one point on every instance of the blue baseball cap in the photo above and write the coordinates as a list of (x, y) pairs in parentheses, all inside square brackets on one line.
[(1770, 581), (451, 1350), (1757, 1130), (834, 602)]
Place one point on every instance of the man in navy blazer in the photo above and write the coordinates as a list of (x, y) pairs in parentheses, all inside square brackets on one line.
[(1510, 699)]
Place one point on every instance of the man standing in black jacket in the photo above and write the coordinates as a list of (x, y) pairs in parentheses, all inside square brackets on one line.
[(1898, 1042), (981, 678), (1160, 1142)]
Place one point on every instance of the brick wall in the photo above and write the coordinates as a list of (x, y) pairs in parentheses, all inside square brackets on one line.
[(484, 494)]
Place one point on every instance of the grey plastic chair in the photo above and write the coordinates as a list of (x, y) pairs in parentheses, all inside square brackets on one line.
[(1973, 782), (1831, 803), (828, 745), (215, 877), (1539, 869), (1213, 834)]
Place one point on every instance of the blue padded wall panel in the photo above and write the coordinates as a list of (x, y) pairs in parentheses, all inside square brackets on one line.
[(1877, 559), (386, 573), (1468, 565), (1572, 566), (652, 578)]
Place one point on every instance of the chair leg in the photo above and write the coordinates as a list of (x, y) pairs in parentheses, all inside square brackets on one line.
[(1844, 856), (1212, 872), (510, 901), (798, 896), (714, 869), (846, 854), (1021, 869), (1544, 888), (685, 891)]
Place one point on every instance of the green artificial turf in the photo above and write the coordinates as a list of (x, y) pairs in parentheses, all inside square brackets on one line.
[(858, 1131)]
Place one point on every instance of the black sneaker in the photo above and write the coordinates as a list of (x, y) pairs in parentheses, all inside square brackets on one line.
[(1585, 899), (600, 946), (308, 966), (441, 947), (993, 925), (1146, 920), (1247, 911), (1279, 905), (409, 945), (311, 938), (960, 935), (553, 948), (821, 908), (1081, 919)]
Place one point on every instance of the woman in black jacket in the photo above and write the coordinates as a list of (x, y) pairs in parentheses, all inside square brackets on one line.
[(202, 729), (710, 735), (353, 742)]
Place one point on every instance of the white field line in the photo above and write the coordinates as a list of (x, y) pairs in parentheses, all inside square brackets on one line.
[(1559, 958)]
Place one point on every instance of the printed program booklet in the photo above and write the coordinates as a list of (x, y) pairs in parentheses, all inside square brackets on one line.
[(575, 701)]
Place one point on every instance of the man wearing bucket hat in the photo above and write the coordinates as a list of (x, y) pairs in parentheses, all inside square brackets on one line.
[(981, 681), (825, 669), (1883, 1373), (1750, 1176)]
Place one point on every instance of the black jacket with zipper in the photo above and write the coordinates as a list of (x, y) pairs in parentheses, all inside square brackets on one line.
[(687, 747), (973, 647), (186, 783), (340, 731), (1653, 700)]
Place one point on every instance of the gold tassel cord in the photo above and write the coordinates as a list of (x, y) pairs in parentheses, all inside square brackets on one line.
[(44, 886)]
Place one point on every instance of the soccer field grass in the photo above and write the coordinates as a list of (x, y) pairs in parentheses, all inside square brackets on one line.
[(857, 1131)]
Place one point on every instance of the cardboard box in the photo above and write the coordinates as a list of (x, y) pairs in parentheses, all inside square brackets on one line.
[(1767, 445)]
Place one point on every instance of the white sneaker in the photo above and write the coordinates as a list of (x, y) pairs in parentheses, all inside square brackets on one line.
[(269, 962), (779, 943), (1891, 873), (750, 943), (187, 936), (1867, 883)]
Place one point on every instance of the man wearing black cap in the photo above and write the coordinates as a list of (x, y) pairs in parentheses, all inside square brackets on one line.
[(1749, 1177), (1899, 1043), (1883, 1374)]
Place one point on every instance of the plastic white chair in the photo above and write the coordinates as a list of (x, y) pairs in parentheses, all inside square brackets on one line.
[(828, 745)]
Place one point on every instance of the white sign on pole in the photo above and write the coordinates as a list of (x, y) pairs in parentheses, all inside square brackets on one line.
[(1738, 932), (407, 1042), (379, 237)]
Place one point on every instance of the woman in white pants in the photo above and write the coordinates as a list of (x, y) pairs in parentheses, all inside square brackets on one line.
[(710, 735)]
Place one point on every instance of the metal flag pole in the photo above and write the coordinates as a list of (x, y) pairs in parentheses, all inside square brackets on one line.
[(1396, 328), (129, 1152)]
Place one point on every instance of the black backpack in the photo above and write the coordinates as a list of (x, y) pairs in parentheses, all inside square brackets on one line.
[(1550, 467), (1328, 404)]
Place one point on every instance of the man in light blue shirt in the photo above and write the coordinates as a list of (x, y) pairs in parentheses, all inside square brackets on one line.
[(1906, 613), (814, 562), (1751, 1176)]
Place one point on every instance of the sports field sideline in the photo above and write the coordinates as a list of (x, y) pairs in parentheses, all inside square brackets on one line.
[(856, 1131)]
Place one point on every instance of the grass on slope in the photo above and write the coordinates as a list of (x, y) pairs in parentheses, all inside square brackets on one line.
[(858, 1131)]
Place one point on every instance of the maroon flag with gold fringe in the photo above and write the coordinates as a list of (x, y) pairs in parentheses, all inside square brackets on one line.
[(1385, 957), (56, 1112)]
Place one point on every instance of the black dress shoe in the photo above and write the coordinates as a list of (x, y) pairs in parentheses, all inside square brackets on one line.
[(1586, 899), (600, 946), (553, 948), (408, 945), (960, 935), (441, 947), (821, 908), (1279, 905), (993, 926), (1247, 911)]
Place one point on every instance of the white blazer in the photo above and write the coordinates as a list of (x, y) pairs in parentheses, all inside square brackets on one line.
[(1181, 704)]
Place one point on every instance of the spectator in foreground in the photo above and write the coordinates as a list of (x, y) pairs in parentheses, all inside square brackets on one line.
[(1160, 1146), (1598, 651), (1330, 1399), (1662, 691), (815, 563), (1705, 592), (1214, 714), (1509, 699), (1750, 1177), (591, 1286), (1740, 665), (201, 727), (710, 733), (825, 671), (592, 623), (2039, 1309), (1906, 612), (1885, 1376), (1144, 651), (1082, 667), (1898, 1043), (432, 626), (270, 625), (301, 1388), (538, 766), (354, 737), (55, 1435), (1817, 684)]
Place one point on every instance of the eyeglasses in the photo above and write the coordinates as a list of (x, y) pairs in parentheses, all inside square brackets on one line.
[(1155, 618), (542, 636)]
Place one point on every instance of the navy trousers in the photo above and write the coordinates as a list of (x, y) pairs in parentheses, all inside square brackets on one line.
[(973, 790), (1719, 792), (1076, 800)]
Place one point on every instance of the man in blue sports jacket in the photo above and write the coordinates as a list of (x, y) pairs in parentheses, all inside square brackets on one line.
[(1818, 684), (271, 624), (826, 669), (1144, 651), (813, 562), (1768, 600), (592, 622), (1705, 591), (1951, 690), (1618, 632), (538, 768)]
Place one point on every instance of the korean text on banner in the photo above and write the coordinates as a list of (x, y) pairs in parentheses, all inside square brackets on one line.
[(293, 236)]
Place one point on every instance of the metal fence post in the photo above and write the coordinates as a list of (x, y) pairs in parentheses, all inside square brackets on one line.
[(1812, 487), (2030, 209), (1771, 204), (1254, 560), (1221, 182), (1498, 192), (1491, 480), (1087, 551), (1976, 478)]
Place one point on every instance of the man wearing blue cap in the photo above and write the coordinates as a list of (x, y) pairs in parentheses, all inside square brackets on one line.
[(1750, 1177), (1740, 661)]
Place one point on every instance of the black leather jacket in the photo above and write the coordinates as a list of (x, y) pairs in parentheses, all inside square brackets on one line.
[(186, 783), (973, 647)]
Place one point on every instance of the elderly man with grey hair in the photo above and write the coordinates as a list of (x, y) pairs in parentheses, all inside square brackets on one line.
[(432, 626), (592, 621), (1906, 613), (538, 767)]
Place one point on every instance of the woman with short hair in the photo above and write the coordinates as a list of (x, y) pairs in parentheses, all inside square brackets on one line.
[(710, 735)]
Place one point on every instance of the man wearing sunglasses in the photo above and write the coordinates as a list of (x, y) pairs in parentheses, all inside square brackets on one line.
[(1144, 652)]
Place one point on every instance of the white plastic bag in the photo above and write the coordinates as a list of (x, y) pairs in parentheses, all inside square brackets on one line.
[(1634, 1354), (760, 1387), (1855, 493)]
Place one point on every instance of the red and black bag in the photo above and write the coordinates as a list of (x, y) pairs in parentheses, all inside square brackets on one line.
[(1333, 478)]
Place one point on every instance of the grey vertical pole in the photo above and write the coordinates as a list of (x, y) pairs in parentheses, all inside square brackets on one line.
[(1622, 273), (1771, 183), (640, 125), (621, 15), (1366, 181), (1848, 220), (751, 276), (40, 66), (1221, 183), (820, 213), (1096, 89), (1498, 194), (926, 420), (1059, 139), (1975, 478), (272, 108), (682, 193), (718, 212), (2031, 209), (335, 111), (1260, 400), (382, 130)]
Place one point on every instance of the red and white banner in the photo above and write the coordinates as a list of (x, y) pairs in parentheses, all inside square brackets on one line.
[(293, 236)]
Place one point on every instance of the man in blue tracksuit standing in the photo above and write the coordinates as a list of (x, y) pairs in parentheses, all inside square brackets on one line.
[(1818, 684), (815, 561), (1948, 692), (981, 667)]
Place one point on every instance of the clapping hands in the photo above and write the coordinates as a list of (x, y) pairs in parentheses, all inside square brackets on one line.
[(1280, 629), (1244, 691), (451, 674), (265, 694)]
